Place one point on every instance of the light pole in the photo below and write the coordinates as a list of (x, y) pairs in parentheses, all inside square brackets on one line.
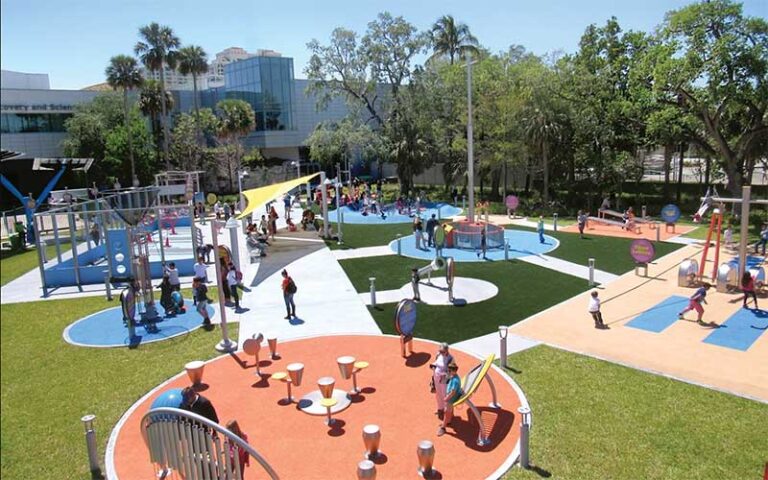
[(470, 143), (298, 175), (225, 345), (339, 186), (241, 174), (231, 225)]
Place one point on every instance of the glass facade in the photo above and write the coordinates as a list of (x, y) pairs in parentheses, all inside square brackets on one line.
[(264, 82), (33, 122)]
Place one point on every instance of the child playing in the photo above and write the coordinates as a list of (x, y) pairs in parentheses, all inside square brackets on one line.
[(201, 296), (594, 310), (581, 219), (748, 287), (728, 234), (415, 284), (695, 302)]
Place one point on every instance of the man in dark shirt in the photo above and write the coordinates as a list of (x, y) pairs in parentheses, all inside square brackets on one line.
[(196, 403), (431, 225)]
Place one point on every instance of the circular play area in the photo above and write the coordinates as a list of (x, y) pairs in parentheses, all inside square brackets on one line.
[(106, 328), (392, 215), (521, 244), (393, 394)]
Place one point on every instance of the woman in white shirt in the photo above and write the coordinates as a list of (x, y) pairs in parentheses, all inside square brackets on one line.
[(440, 376)]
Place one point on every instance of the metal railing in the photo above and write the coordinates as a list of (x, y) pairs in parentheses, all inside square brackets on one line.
[(195, 447)]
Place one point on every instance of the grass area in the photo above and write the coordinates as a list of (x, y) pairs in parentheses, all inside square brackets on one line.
[(47, 384), (452, 324), (593, 419), (14, 264), (611, 254), (359, 236)]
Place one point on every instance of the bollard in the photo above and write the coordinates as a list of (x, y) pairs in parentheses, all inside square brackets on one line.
[(644, 210), (554, 225), (464, 203), (591, 272), (108, 285), (373, 290), (90, 442), (506, 249), (503, 346), (399, 249), (525, 428)]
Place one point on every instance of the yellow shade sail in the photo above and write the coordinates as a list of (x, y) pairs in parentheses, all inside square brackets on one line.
[(258, 197)]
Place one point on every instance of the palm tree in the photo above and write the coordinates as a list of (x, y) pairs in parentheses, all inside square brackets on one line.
[(151, 105), (542, 129), (157, 50), (193, 61), (237, 118), (451, 39), (123, 73)]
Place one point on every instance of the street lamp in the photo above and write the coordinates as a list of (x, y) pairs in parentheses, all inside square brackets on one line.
[(298, 175), (241, 174), (339, 186), (503, 345)]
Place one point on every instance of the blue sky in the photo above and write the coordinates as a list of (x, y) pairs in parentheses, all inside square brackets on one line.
[(72, 40)]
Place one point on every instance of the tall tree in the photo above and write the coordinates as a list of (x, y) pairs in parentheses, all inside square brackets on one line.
[(151, 105), (451, 39), (712, 62), (157, 49), (193, 61), (123, 73), (236, 119), (543, 129)]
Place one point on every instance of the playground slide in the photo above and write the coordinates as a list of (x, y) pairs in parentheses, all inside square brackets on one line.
[(700, 212)]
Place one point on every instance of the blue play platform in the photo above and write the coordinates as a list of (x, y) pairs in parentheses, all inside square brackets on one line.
[(105, 328), (741, 330), (661, 316), (356, 216), (521, 244)]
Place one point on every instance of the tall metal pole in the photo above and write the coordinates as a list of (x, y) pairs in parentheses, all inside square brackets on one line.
[(338, 202), (470, 144), (225, 345), (240, 202), (746, 193), (324, 200)]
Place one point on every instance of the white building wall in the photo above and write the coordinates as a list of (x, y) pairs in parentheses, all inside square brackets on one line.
[(33, 81)]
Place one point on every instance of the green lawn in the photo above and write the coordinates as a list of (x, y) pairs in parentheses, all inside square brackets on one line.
[(611, 254), (452, 324), (359, 236), (47, 385), (14, 264), (596, 420)]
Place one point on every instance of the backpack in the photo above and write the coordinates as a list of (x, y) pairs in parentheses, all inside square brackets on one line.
[(291, 288)]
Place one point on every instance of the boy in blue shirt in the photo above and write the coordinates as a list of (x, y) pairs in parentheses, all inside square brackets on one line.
[(452, 393)]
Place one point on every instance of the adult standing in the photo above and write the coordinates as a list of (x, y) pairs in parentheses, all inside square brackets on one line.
[(418, 231), (440, 377), (232, 283), (287, 205), (763, 238), (431, 226), (196, 403), (273, 221), (289, 290)]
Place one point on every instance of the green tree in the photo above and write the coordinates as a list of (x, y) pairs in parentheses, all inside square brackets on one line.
[(151, 105), (236, 119), (186, 149), (333, 142), (119, 141), (157, 49), (451, 39), (712, 62), (193, 61), (123, 73)]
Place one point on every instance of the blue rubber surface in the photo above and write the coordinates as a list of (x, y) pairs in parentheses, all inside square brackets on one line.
[(356, 217), (662, 315), (521, 244), (106, 329), (751, 261), (741, 330)]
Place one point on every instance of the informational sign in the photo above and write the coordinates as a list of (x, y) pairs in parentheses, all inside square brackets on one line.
[(211, 198), (642, 250), (439, 235), (512, 202), (405, 317), (670, 213)]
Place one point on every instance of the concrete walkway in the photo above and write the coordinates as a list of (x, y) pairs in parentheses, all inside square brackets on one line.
[(364, 252), (569, 268), (491, 344)]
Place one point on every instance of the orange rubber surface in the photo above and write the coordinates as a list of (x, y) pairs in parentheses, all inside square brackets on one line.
[(395, 396), (595, 228)]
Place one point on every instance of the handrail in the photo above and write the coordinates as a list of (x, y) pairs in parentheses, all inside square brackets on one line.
[(187, 441)]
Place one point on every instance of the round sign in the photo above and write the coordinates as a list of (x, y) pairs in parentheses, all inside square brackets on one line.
[(642, 250), (670, 213), (211, 198), (439, 235), (512, 202), (405, 317)]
